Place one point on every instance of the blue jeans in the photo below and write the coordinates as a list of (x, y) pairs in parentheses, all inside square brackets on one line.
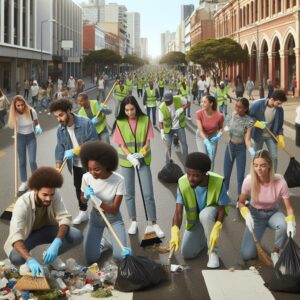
[(223, 109), (182, 138), (95, 232), (194, 241), (272, 148), (104, 136), (187, 112), (235, 152), (202, 148), (153, 109), (2, 117), (201, 93), (146, 181), (34, 101), (46, 235), (26, 141), (101, 95), (273, 219)]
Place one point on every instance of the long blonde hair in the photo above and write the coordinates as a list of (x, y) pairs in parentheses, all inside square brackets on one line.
[(12, 119)]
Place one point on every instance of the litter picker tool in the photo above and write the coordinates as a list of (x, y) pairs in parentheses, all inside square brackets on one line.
[(262, 255), (29, 283)]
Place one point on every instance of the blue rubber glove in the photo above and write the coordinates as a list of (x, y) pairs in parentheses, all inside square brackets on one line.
[(52, 252), (38, 130), (209, 148), (69, 154), (95, 120), (100, 107), (251, 151), (35, 267), (216, 138), (88, 193), (126, 251)]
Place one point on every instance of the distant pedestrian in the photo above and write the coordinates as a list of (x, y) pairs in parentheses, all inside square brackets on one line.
[(207, 84), (226, 80), (250, 88), (59, 84), (270, 88), (294, 85), (26, 87), (42, 99), (201, 88), (34, 93), (101, 89), (4, 105), (222, 96), (239, 87), (71, 83), (151, 95), (80, 86)]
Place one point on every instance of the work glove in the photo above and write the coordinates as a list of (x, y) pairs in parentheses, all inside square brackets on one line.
[(52, 251), (162, 135), (95, 120), (38, 130), (175, 238), (245, 212), (100, 107), (88, 193), (144, 151), (135, 162), (126, 252), (178, 112), (260, 124), (280, 141), (251, 151), (137, 155), (96, 201), (217, 137), (291, 225), (214, 236), (70, 153), (209, 148), (34, 266)]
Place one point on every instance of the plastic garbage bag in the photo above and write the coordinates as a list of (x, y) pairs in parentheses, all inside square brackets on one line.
[(170, 173), (292, 173)]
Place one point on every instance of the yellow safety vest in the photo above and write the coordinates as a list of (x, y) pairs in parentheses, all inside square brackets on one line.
[(121, 94), (151, 96), (221, 99)]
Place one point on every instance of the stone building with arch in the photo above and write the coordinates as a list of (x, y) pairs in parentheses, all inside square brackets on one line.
[(270, 32)]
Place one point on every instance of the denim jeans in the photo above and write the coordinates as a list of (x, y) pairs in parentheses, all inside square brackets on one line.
[(117, 108), (273, 219), (34, 101), (223, 109), (182, 138), (202, 148), (187, 112), (272, 148), (153, 109), (2, 117), (26, 142), (104, 136), (194, 241), (147, 186), (235, 152), (201, 93), (46, 235), (95, 232), (101, 95), (77, 180)]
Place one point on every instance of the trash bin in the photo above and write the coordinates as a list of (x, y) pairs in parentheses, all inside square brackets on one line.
[(297, 127)]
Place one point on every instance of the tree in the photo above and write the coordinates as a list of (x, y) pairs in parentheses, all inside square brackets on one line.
[(215, 54), (134, 60), (173, 58)]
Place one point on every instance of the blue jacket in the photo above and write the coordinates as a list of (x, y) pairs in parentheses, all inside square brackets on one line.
[(257, 112), (84, 131)]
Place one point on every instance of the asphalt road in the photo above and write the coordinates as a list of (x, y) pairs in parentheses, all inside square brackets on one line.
[(187, 285)]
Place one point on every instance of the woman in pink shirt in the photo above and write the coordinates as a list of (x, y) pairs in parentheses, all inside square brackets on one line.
[(267, 190), (210, 125), (132, 132)]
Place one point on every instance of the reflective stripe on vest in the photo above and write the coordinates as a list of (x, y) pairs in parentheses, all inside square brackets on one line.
[(129, 85), (134, 143), (151, 96), (100, 126), (221, 99), (167, 116), (120, 95)]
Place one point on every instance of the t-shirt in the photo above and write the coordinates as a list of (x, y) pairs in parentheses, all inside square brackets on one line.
[(297, 120), (101, 84), (105, 189), (269, 117), (76, 160), (89, 113), (201, 85), (211, 124), (41, 218), (269, 195), (25, 122), (117, 137)]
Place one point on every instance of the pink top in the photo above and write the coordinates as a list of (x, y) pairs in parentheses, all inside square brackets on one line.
[(269, 194), (210, 124), (117, 137)]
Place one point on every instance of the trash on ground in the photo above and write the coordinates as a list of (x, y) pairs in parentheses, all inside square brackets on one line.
[(178, 268)]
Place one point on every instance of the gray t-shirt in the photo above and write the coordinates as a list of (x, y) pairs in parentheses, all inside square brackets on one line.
[(89, 113), (269, 117), (238, 126)]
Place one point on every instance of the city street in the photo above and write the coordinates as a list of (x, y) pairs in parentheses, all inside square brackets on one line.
[(190, 283)]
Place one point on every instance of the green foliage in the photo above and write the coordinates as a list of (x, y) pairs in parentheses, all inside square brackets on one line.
[(103, 57), (134, 60), (173, 58)]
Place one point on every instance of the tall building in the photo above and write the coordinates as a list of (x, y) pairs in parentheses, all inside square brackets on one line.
[(186, 11), (93, 11), (144, 47), (134, 30), (212, 5), (167, 40)]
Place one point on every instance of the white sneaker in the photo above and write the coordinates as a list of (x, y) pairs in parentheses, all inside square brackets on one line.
[(105, 245), (133, 227), (213, 261), (274, 257), (23, 187), (158, 231), (82, 217), (58, 264), (189, 118)]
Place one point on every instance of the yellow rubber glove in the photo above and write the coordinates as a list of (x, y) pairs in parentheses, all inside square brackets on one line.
[(259, 124), (143, 151), (245, 212), (76, 150), (214, 236), (291, 225), (175, 237), (281, 142)]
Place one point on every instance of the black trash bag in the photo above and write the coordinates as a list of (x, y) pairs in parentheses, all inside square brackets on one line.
[(292, 173), (287, 284), (170, 173), (138, 273)]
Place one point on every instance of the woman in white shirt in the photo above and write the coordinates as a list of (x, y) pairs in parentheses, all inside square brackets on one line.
[(25, 118)]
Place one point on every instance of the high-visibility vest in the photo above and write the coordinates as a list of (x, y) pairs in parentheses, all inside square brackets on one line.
[(140, 84), (191, 209), (161, 83), (167, 116), (221, 99), (151, 97), (184, 92), (100, 126), (129, 85), (134, 142), (121, 94), (171, 85)]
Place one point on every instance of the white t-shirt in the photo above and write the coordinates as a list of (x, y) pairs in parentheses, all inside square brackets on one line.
[(101, 84), (201, 85), (105, 189), (76, 159), (25, 124)]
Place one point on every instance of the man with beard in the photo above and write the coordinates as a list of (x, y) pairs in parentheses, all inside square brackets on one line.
[(40, 217), (72, 132), (203, 197)]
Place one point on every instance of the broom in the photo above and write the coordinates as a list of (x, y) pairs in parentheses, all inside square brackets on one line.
[(29, 283), (262, 255)]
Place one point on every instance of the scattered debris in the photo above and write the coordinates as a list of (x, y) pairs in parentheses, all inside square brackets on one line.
[(102, 293), (232, 269), (178, 268)]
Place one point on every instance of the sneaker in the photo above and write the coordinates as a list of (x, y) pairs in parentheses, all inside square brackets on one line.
[(133, 227), (82, 217), (105, 245), (23, 187), (45, 110), (158, 231), (40, 112), (49, 113), (274, 257), (189, 118), (213, 261), (58, 264)]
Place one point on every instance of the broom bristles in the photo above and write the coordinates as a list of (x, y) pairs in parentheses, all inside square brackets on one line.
[(150, 238), (29, 283), (263, 256)]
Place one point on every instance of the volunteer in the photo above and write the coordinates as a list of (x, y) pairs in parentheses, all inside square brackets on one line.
[(120, 93), (184, 91), (222, 96), (150, 97), (129, 85)]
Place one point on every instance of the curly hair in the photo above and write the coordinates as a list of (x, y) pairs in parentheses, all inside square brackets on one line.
[(105, 154), (62, 104), (45, 177)]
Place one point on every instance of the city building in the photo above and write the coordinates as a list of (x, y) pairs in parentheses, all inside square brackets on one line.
[(93, 11), (134, 31), (180, 38), (212, 5), (186, 11), (112, 42), (187, 35), (93, 38), (144, 48), (167, 41), (269, 32)]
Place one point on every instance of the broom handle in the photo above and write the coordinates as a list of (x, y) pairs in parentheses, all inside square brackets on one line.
[(107, 97), (62, 166), (141, 188), (16, 161), (254, 237), (172, 252), (167, 149)]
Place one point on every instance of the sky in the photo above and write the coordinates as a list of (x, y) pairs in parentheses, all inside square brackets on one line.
[(157, 16)]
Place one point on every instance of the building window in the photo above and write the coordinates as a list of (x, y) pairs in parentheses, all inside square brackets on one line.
[(24, 40), (6, 21), (16, 21)]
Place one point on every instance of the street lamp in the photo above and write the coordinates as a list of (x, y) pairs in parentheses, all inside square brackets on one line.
[(43, 22)]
